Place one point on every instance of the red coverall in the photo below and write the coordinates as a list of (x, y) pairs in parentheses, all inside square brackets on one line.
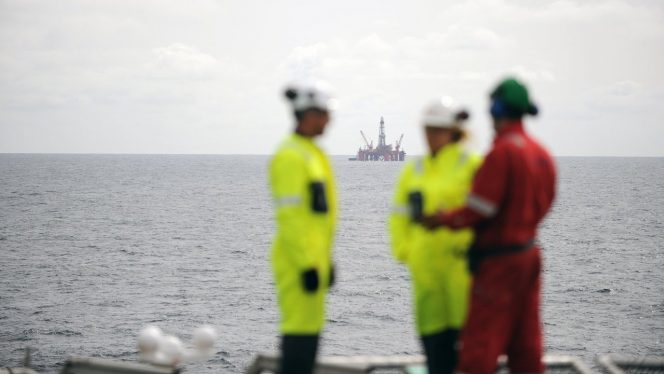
[(512, 191)]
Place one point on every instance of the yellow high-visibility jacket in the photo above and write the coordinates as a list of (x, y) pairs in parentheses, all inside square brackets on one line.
[(436, 259), (304, 234)]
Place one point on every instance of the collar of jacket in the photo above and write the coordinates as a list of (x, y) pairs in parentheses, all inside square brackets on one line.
[(301, 138), (515, 126), (446, 151), (306, 143)]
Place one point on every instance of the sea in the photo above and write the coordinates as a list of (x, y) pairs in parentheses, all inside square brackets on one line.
[(95, 247)]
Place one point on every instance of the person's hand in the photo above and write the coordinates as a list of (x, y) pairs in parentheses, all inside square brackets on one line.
[(310, 280), (433, 221)]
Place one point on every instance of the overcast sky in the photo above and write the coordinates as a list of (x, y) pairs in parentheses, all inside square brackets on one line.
[(116, 76)]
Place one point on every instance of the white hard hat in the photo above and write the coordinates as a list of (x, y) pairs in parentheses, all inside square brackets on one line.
[(310, 96), (444, 113)]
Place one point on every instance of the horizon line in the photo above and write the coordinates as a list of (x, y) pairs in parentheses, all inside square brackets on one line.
[(267, 154)]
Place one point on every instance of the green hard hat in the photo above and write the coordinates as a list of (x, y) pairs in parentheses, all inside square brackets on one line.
[(513, 95)]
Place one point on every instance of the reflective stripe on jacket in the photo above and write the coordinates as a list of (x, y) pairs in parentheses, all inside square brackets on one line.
[(436, 259)]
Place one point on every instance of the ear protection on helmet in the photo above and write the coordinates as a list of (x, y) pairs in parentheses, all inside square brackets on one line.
[(498, 108)]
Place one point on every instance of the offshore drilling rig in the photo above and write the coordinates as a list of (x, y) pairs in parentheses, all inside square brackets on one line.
[(382, 152)]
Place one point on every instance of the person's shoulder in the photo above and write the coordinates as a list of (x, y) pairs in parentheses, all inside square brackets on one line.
[(288, 152), (544, 154), (541, 148), (409, 168), (501, 147), (475, 159)]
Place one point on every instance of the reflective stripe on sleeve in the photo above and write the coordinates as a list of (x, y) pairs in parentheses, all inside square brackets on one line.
[(287, 201), (419, 166), (401, 209), (481, 205), (463, 158)]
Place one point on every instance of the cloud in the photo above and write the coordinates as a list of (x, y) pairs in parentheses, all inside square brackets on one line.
[(624, 88), (210, 65), (373, 57), (460, 37), (304, 63), (532, 74), (182, 61), (373, 47)]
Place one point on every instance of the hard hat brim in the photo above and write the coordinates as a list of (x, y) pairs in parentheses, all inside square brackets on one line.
[(441, 122)]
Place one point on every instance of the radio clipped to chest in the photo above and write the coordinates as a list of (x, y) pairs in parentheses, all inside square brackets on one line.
[(318, 197), (416, 205)]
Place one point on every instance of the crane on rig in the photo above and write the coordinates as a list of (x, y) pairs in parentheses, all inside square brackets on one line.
[(366, 142), (397, 144)]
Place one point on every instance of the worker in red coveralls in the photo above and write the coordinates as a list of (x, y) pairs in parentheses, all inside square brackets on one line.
[(512, 192)]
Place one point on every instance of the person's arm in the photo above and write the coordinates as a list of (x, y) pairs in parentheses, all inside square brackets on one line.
[(400, 218), (488, 192), (288, 177)]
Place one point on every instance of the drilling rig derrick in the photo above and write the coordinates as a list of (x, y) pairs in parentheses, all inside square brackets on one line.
[(383, 151)]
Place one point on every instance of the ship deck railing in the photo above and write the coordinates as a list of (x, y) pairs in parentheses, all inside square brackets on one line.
[(623, 364), (82, 365), (412, 364)]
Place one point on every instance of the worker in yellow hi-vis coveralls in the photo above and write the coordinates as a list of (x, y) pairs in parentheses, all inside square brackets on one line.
[(306, 211), (436, 259)]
